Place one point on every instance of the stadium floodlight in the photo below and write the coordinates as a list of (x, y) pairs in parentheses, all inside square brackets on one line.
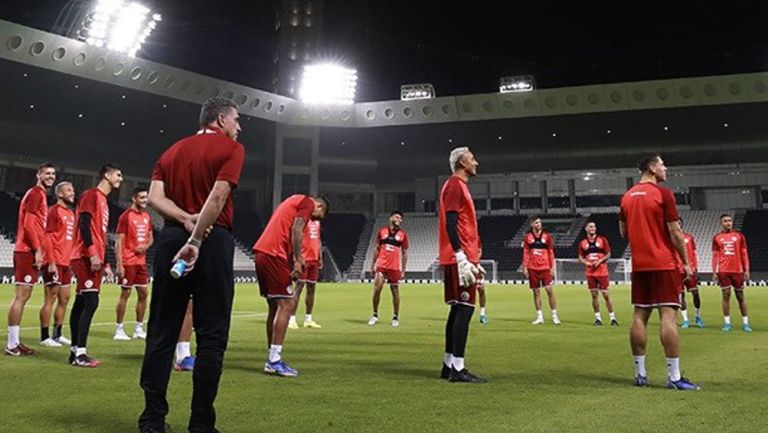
[(517, 83), (416, 91), (327, 83), (119, 25)]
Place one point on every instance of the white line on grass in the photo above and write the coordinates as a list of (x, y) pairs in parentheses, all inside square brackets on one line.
[(234, 316)]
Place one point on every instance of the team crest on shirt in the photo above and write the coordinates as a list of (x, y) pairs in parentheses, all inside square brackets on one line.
[(88, 284), (733, 238), (125, 280), (27, 278), (464, 296), (289, 289)]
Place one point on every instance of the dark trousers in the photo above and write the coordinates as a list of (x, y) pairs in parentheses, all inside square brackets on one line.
[(211, 284)]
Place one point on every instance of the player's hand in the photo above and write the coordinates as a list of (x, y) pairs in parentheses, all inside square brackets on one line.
[(552, 273), (141, 249), (746, 276), (525, 272), (688, 272), (467, 271), (120, 271), (714, 278), (53, 271), (481, 274), (298, 269), (402, 275), (189, 253), (39, 259), (96, 263), (109, 274), (320, 264)]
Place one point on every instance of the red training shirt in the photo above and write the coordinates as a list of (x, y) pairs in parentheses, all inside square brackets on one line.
[(593, 250), (193, 164), (33, 213), (137, 228), (60, 229), (646, 208), (539, 251), (729, 253), (310, 245), (455, 197), (94, 202), (390, 244), (276, 238)]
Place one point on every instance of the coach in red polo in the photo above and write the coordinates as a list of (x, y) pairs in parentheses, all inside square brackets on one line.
[(190, 189)]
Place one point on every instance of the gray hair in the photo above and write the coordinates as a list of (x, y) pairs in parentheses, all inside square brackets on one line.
[(61, 185), (456, 155), (213, 107)]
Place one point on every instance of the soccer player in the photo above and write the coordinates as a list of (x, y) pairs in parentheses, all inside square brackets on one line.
[(279, 263), (539, 267), (649, 221), (60, 229), (134, 237), (730, 268), (691, 284), (459, 245), (90, 248), (31, 247), (594, 252), (390, 259), (312, 251), (191, 190)]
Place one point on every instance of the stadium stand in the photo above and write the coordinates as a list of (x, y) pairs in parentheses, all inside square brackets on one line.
[(756, 231), (9, 215), (6, 252), (340, 234), (496, 232)]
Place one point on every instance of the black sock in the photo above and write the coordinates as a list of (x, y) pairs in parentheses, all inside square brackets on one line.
[(449, 330), (74, 320), (44, 335), (57, 331), (90, 304), (375, 314), (461, 329)]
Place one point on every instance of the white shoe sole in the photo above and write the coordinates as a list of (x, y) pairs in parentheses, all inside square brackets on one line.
[(50, 343), (121, 338)]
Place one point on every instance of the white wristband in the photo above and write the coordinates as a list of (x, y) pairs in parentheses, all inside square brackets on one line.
[(460, 256)]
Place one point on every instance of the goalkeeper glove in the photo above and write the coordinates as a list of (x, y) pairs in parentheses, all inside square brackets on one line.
[(467, 271)]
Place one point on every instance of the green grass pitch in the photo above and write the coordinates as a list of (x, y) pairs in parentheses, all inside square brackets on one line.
[(357, 378)]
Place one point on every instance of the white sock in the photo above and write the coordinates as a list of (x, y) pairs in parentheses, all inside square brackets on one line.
[(448, 359), (482, 311), (73, 349), (139, 325), (612, 315), (640, 366), (673, 369), (698, 312), (182, 350), (307, 318), (119, 327), (274, 352), (554, 313), (598, 317), (684, 313), (13, 336), (458, 363), (539, 315), (727, 320), (292, 319), (80, 351), (745, 320)]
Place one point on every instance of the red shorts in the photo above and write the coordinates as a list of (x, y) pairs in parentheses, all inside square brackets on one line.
[(454, 293), (391, 276), (87, 280), (311, 272), (595, 282), (656, 288), (135, 275), (691, 284), (24, 270), (274, 275), (729, 280), (539, 278), (63, 276)]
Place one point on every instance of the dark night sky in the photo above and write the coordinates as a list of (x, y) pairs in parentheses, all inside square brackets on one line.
[(460, 49)]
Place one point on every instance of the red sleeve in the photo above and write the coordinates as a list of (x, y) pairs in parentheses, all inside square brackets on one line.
[(715, 254), (53, 220), (230, 170), (122, 224), (378, 238), (453, 197), (405, 240), (669, 205), (88, 204), (34, 230), (157, 172), (744, 253), (695, 258), (607, 245), (305, 208), (525, 251)]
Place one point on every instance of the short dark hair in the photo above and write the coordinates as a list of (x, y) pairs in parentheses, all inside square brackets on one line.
[(45, 165), (726, 215), (326, 203), (108, 168), (396, 212), (533, 218), (647, 160), (139, 189), (680, 220), (213, 107)]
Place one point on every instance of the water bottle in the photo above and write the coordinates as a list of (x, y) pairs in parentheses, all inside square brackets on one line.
[(178, 269)]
